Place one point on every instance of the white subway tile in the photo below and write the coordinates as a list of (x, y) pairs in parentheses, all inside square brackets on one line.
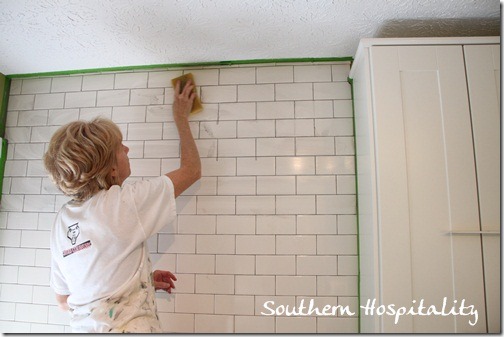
[(294, 91), (296, 244), (204, 186), (18, 135), (275, 146), (26, 185), (145, 167), (15, 168), (35, 239), (348, 265), (84, 99), (205, 76), (18, 220), (296, 324), (98, 82), (185, 283), (334, 127), (62, 116), (221, 129), (218, 167), (236, 185), (314, 109), (274, 185), (235, 264), (130, 80), (277, 74), (24, 102), (316, 224), (7, 311), (195, 263), (345, 146), (36, 85), (347, 224), (15, 86), (147, 96), (340, 72), (275, 110), (169, 165), (258, 128), (159, 113), (334, 90), (237, 111), (145, 131), (254, 324), (39, 203), (254, 285), (42, 133), (256, 92), (346, 184), (235, 224), (207, 147), (295, 128), (255, 244), (194, 303), (236, 147), (128, 114), (276, 224), (176, 323), (66, 84), (46, 328), (312, 73), (16, 293), (219, 94), (113, 98), (296, 285), (337, 244), (14, 327), (335, 165), (234, 304), (176, 243), (92, 113), (161, 148), (214, 284), (12, 203), (215, 244), (317, 265), (315, 146), (12, 118), (295, 165), (32, 117), (255, 205), (237, 76), (34, 276), (295, 204), (49, 101), (31, 313), (336, 204), (256, 166), (19, 256), (216, 205), (214, 324), (9, 274), (337, 285), (196, 224), (343, 108), (316, 185), (162, 79), (337, 325), (43, 258), (275, 265)]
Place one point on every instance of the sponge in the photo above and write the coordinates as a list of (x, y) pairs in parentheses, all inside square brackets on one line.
[(196, 107)]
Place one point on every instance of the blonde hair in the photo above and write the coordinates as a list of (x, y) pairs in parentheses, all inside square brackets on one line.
[(81, 155)]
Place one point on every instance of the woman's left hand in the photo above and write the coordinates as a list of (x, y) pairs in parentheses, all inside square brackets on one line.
[(163, 280)]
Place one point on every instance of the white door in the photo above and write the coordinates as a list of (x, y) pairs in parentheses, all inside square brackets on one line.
[(426, 182), (483, 77)]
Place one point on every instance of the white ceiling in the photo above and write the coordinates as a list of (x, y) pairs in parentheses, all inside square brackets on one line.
[(55, 35)]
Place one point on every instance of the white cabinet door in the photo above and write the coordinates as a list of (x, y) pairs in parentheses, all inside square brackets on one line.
[(483, 78), (426, 185)]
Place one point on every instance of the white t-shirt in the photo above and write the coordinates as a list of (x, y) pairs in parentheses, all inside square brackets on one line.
[(98, 246)]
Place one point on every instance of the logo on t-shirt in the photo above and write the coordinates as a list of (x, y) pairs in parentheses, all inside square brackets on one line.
[(73, 233)]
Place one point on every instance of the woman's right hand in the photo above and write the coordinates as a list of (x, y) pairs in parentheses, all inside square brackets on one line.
[(183, 101)]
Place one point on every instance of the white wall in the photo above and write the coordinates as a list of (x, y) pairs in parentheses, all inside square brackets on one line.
[(273, 217)]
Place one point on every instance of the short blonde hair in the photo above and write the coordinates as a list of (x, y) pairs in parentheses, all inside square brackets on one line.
[(81, 155)]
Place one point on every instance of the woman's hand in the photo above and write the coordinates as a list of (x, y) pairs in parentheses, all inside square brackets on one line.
[(183, 100), (163, 280)]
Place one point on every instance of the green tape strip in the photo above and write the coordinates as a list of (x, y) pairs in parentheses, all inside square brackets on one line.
[(183, 65), (3, 159), (4, 99), (350, 80)]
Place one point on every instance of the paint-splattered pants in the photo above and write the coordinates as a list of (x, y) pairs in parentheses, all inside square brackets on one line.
[(134, 311)]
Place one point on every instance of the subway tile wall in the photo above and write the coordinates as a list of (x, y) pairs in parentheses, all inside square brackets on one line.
[(272, 219)]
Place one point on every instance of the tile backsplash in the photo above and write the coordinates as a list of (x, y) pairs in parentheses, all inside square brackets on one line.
[(272, 219)]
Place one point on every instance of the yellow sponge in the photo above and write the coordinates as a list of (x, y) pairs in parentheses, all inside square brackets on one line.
[(196, 107)]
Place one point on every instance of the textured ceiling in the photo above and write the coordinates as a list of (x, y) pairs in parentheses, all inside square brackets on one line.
[(54, 35)]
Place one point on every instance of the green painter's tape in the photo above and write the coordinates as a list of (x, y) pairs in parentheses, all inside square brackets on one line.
[(4, 99), (350, 80), (3, 159), (183, 65)]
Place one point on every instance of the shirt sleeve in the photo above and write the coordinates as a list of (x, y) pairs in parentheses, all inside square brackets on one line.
[(57, 282), (155, 204)]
